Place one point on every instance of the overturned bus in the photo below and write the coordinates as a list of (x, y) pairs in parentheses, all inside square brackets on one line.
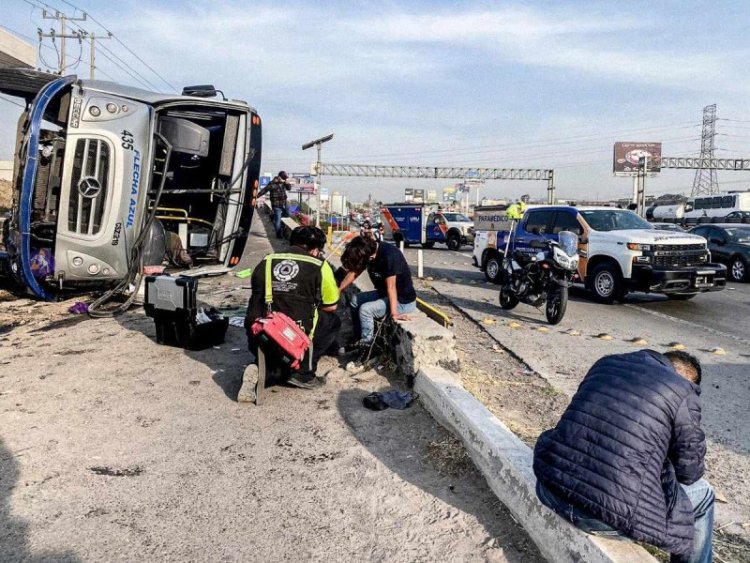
[(100, 169)]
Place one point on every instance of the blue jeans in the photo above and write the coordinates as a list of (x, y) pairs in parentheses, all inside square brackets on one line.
[(278, 213), (701, 496), (369, 306)]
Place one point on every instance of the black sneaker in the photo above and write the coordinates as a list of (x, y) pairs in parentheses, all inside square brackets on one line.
[(305, 381), (358, 345)]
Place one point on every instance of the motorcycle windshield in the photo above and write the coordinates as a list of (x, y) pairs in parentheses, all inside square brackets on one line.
[(569, 242)]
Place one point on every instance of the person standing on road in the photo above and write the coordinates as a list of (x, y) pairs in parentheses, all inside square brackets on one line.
[(627, 456), (278, 188), (366, 229), (303, 288), (379, 233), (394, 291), (516, 210)]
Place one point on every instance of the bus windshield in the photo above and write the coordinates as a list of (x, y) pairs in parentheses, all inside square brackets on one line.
[(614, 220)]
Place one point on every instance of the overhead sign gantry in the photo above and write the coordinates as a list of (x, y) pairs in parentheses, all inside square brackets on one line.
[(440, 172)]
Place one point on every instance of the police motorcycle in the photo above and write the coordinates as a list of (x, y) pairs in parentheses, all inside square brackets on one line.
[(541, 276)]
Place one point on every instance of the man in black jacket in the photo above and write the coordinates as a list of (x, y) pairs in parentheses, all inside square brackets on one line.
[(627, 456), (278, 187)]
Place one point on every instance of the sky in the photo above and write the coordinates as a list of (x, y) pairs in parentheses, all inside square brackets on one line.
[(543, 84)]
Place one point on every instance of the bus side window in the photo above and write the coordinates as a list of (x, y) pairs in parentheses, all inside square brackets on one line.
[(727, 201)]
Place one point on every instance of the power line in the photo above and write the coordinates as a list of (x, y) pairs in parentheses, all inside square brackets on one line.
[(123, 65), (128, 49), (543, 142), (15, 103)]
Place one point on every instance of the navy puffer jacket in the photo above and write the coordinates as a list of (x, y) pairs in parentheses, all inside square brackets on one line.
[(630, 435)]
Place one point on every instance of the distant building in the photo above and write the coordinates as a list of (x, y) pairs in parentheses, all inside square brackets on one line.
[(15, 52), (6, 170), (338, 204)]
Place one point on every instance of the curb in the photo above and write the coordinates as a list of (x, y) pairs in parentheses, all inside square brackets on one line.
[(506, 463)]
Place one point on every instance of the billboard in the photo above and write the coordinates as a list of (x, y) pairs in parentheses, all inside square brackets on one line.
[(628, 154), (419, 195), (432, 196), (302, 184), (449, 194)]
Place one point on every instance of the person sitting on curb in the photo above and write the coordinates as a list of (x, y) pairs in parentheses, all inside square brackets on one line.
[(303, 288), (627, 456), (394, 291)]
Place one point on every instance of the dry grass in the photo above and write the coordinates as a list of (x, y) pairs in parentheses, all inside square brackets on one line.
[(449, 456)]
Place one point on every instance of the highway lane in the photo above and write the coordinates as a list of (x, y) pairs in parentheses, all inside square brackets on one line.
[(720, 319), (726, 312)]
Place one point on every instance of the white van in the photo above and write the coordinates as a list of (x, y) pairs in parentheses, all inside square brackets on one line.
[(716, 205)]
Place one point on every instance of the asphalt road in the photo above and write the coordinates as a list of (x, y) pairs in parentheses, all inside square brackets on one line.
[(709, 321)]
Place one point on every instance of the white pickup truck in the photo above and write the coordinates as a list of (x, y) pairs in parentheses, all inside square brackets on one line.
[(619, 251)]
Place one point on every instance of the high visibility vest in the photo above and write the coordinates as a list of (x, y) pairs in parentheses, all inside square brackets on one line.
[(514, 211)]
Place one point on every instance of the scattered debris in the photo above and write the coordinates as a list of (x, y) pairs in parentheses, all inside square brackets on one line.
[(242, 274), (640, 341), (110, 472), (718, 351), (392, 398), (720, 497), (604, 336), (237, 321), (79, 308), (676, 345), (450, 456)]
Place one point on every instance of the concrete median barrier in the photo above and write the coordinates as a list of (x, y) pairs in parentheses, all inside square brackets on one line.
[(424, 353)]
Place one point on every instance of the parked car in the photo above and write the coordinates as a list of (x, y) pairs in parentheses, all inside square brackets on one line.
[(729, 243), (741, 215), (674, 227)]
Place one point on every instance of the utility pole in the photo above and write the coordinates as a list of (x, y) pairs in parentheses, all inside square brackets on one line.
[(92, 37), (318, 171), (641, 194), (62, 35)]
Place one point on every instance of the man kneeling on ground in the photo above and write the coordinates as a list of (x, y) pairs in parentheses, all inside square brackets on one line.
[(627, 456), (394, 291), (303, 288)]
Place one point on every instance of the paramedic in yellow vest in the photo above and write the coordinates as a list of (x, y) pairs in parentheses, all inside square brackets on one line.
[(303, 288), (516, 210)]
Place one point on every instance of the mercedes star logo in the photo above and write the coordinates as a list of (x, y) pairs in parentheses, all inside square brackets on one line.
[(89, 187)]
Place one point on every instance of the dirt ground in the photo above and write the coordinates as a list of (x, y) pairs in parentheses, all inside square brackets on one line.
[(528, 404), (115, 448)]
